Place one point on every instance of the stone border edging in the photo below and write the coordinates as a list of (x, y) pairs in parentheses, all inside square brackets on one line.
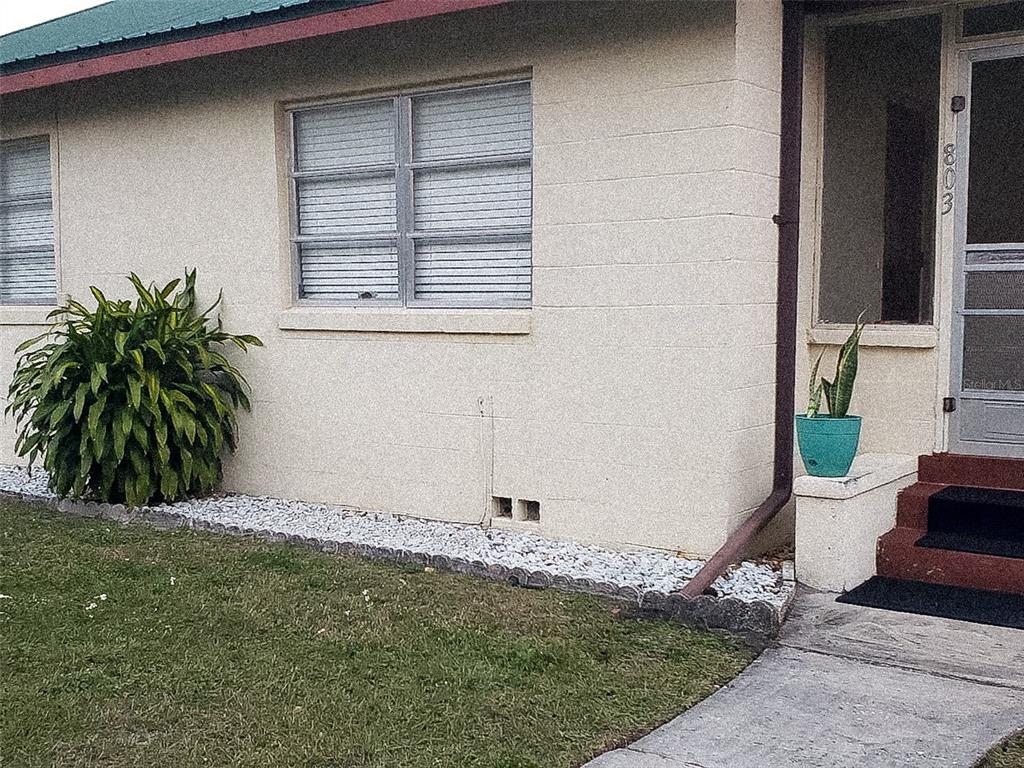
[(759, 620)]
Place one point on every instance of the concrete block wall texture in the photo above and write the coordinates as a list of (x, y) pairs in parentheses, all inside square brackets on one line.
[(751, 385), (638, 407)]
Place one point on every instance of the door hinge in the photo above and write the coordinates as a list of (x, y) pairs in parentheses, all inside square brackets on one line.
[(958, 103), (948, 404)]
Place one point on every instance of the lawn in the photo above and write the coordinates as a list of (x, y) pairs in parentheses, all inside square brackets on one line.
[(1009, 754), (124, 646)]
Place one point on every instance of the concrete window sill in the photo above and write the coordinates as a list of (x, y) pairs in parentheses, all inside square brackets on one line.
[(25, 314), (399, 320), (907, 336)]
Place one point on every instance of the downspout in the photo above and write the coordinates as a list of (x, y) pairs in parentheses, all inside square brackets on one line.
[(788, 222)]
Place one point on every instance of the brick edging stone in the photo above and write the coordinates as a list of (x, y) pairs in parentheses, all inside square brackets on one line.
[(759, 621)]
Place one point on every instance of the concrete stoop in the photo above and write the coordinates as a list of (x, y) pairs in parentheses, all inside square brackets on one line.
[(901, 553)]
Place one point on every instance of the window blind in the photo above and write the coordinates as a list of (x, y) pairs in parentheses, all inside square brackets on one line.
[(473, 194), (28, 273), (422, 200), (346, 202), (473, 122), (350, 135)]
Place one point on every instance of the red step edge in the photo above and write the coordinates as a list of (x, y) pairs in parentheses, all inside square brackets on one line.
[(976, 471), (899, 558), (912, 505)]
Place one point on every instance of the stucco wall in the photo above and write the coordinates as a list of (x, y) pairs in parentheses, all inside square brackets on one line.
[(750, 388), (637, 409)]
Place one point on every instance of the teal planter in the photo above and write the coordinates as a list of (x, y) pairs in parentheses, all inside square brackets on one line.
[(827, 445)]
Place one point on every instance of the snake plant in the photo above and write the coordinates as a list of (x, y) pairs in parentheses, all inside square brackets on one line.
[(839, 391)]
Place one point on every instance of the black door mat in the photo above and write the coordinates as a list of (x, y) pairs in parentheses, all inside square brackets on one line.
[(987, 512), (970, 542), (1000, 609)]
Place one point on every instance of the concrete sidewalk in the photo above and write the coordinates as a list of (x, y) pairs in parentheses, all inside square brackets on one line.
[(852, 687)]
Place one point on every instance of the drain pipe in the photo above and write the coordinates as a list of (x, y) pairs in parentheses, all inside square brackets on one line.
[(788, 221)]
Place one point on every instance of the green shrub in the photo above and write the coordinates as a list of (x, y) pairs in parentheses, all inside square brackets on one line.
[(130, 403)]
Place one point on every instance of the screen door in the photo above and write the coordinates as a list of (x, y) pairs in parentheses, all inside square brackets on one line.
[(988, 332)]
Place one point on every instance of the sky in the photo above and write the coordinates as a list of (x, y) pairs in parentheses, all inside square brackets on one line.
[(18, 14)]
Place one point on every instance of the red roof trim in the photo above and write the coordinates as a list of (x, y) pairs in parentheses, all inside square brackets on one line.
[(296, 29)]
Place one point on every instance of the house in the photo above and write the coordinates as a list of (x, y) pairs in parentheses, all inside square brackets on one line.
[(535, 263)]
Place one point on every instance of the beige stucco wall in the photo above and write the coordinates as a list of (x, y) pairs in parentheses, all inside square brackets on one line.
[(637, 409)]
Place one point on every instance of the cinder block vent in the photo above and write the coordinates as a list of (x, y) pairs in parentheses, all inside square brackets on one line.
[(502, 506), (528, 511)]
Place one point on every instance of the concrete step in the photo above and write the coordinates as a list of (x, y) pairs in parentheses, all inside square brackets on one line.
[(912, 505), (976, 471), (981, 520), (899, 557)]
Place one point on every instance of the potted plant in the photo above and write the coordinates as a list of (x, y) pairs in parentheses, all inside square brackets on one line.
[(828, 443)]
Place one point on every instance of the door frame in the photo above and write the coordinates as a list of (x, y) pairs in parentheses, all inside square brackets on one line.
[(966, 58)]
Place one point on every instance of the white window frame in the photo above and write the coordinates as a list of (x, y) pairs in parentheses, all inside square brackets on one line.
[(889, 334), (404, 167), (52, 300)]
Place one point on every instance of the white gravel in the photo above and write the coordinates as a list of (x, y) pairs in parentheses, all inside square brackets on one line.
[(18, 480), (646, 571)]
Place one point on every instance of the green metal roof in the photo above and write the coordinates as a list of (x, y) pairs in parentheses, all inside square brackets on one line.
[(121, 22)]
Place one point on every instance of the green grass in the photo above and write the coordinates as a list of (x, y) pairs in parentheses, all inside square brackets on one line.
[(218, 651), (1009, 754)]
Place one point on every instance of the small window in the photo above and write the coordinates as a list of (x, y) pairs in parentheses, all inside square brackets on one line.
[(994, 19), (416, 200), (879, 171), (28, 273)]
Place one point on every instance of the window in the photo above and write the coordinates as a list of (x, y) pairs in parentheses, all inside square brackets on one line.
[(415, 200), (879, 171), (28, 272), (995, 19), (995, 194)]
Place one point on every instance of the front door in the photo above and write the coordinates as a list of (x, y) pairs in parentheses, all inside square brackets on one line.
[(988, 328)]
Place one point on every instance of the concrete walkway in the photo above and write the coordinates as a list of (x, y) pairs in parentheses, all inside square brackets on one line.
[(851, 687)]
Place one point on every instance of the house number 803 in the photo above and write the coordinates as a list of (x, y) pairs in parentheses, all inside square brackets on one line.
[(948, 177)]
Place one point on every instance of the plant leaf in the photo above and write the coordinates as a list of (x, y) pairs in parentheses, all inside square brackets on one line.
[(816, 388), (846, 373)]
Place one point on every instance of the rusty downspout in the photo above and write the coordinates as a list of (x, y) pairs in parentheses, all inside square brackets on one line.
[(788, 221)]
